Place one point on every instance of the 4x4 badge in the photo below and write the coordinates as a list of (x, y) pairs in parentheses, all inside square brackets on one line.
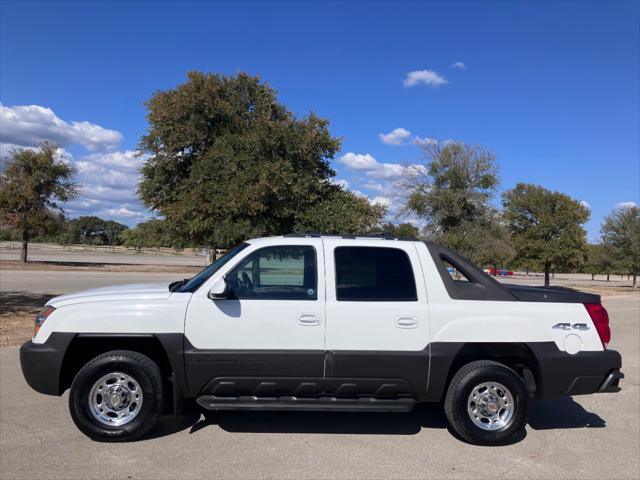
[(569, 326)]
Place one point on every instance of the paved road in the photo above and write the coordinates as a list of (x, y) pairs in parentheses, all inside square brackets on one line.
[(593, 436), (57, 282), (55, 253)]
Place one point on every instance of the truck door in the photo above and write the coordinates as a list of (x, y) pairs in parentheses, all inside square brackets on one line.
[(377, 331), (267, 339)]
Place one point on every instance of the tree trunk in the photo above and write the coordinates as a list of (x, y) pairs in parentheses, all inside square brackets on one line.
[(593, 277), (635, 280), (607, 277), (212, 255), (25, 242), (546, 274), (495, 271)]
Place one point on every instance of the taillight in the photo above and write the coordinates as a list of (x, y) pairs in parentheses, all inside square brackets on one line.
[(600, 319)]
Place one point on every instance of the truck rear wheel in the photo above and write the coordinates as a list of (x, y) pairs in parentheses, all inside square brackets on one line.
[(117, 396), (487, 403)]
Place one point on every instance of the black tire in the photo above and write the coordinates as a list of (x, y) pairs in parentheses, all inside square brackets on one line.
[(464, 381), (138, 366)]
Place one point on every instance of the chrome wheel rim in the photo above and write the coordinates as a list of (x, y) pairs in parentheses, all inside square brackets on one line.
[(115, 399), (490, 406)]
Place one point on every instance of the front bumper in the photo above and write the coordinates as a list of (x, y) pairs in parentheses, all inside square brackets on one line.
[(41, 363), (560, 373)]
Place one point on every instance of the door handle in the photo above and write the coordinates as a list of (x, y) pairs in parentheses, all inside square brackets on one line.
[(406, 322), (309, 320)]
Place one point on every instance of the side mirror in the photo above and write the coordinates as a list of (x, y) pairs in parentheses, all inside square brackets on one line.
[(219, 290)]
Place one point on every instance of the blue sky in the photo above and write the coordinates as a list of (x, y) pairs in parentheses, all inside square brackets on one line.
[(551, 88)]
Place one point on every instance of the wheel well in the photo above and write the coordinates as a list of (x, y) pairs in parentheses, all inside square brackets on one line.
[(517, 356), (84, 348)]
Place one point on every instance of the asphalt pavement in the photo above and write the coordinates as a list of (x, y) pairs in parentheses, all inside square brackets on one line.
[(58, 282), (45, 252), (585, 437)]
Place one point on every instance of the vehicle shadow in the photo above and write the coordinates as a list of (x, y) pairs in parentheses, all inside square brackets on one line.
[(561, 413), (410, 423)]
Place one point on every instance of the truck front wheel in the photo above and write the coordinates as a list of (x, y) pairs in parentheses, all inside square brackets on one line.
[(117, 396), (487, 403)]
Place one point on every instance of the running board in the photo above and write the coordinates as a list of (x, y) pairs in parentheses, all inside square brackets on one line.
[(332, 404)]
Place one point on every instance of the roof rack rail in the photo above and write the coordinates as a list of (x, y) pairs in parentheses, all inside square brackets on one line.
[(381, 235), (384, 235), (303, 234)]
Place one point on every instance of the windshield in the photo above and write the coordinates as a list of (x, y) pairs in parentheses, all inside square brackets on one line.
[(195, 282)]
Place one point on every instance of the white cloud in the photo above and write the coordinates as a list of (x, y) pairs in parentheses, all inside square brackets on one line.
[(377, 187), (426, 77), (124, 212), (380, 200), (29, 125), (585, 204), (458, 66), (359, 161), (130, 159), (7, 148), (108, 183), (340, 182), (387, 170), (396, 137), (424, 141), (373, 168), (622, 205), (107, 179)]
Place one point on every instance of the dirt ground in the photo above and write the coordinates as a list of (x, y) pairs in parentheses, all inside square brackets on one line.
[(17, 313)]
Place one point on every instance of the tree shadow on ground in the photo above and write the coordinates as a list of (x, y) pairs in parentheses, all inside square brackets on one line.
[(15, 302), (69, 263)]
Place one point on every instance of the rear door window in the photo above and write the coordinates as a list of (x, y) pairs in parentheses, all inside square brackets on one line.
[(374, 274)]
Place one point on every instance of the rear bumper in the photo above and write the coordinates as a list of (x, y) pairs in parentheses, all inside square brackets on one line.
[(610, 384), (562, 374), (41, 363)]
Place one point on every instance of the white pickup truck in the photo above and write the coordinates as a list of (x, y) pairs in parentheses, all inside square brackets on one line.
[(319, 322)]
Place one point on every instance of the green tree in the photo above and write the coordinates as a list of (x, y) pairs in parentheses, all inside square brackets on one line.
[(453, 195), (546, 227), (341, 212), (487, 240), (621, 233), (95, 230), (153, 233), (599, 260), (228, 161), (30, 187), (402, 230)]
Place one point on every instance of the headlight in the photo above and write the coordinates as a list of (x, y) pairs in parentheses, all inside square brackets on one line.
[(41, 317)]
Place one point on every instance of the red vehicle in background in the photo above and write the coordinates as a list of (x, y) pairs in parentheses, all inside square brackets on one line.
[(497, 272)]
